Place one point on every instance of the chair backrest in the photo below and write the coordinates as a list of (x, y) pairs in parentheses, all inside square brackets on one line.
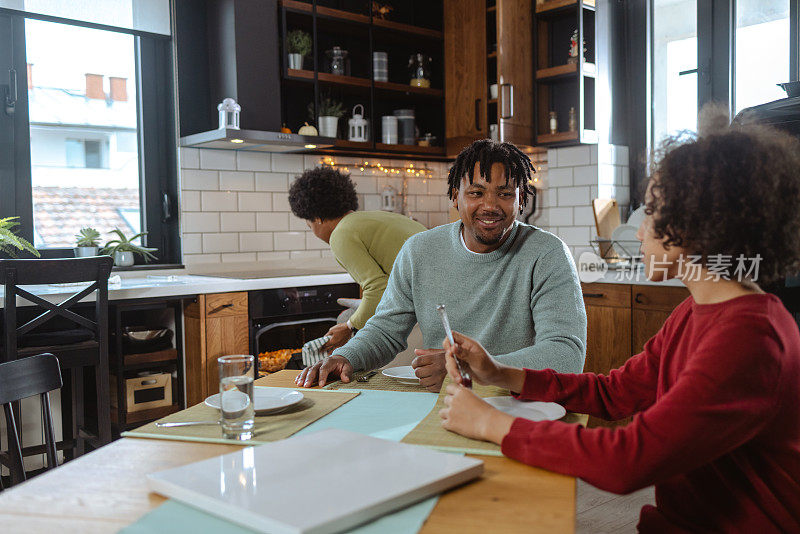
[(20, 379), (14, 273)]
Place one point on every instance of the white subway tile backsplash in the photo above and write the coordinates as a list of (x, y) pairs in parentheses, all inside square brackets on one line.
[(593, 154), (190, 200), (326, 253), (189, 158), (427, 203), (269, 256), (255, 241), (574, 235), (437, 188), (271, 181), (583, 216), (560, 216), (239, 257), (292, 163), (200, 222), (560, 177), (552, 157), (196, 259), (372, 202), (192, 243), (280, 202), (227, 242), (606, 174), (223, 160), (305, 255), (236, 181), (218, 201), (237, 222), (255, 202), (420, 217), (273, 222), (296, 224), (584, 175), (289, 240), (310, 162), (417, 186), (572, 157), (444, 204), (437, 219), (574, 196), (315, 243), (199, 180), (367, 185), (253, 161)]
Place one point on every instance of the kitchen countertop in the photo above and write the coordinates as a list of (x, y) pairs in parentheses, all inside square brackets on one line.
[(635, 278), (198, 280)]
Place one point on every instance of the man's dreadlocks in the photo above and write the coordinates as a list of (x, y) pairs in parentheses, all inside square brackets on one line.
[(518, 167)]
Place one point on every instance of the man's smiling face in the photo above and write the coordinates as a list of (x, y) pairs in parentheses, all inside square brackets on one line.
[(487, 208)]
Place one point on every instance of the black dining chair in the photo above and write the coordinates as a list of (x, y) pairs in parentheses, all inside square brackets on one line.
[(77, 349), (20, 379)]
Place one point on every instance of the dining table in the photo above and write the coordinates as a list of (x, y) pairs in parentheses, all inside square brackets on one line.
[(106, 490)]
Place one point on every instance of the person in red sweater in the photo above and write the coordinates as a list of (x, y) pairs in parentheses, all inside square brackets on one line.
[(715, 394)]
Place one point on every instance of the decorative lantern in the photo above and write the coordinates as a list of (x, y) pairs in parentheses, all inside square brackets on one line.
[(229, 112), (358, 126), (388, 199)]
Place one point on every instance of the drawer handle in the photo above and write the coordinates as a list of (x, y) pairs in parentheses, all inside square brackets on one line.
[(149, 382), (638, 299), (593, 295), (220, 308)]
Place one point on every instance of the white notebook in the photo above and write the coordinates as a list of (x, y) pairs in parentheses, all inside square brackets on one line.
[(327, 481)]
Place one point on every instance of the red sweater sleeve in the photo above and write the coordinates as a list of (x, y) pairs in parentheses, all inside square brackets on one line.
[(620, 394), (724, 395)]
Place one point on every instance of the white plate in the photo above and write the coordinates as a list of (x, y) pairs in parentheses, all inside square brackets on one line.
[(626, 245), (404, 373), (533, 410), (266, 399), (637, 217)]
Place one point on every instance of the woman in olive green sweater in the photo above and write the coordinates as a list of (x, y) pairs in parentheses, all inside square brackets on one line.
[(365, 243)]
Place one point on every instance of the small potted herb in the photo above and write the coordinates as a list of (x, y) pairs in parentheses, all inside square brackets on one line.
[(298, 46), (10, 242), (330, 111), (122, 249), (87, 242)]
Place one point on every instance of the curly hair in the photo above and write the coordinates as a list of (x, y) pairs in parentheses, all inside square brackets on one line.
[(518, 166), (322, 193), (734, 190)]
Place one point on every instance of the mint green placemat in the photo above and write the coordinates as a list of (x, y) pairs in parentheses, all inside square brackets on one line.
[(173, 517)]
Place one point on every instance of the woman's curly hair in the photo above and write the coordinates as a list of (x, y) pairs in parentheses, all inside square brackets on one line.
[(322, 193), (734, 190)]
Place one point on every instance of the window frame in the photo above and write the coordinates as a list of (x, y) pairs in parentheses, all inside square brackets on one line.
[(156, 131)]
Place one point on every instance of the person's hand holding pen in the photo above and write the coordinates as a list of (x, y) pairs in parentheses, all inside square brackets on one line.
[(465, 413)]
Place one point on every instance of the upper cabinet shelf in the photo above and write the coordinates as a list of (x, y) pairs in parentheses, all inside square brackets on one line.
[(352, 81), (562, 71), (556, 7)]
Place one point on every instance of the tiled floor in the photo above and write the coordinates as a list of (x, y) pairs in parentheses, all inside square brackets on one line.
[(600, 512)]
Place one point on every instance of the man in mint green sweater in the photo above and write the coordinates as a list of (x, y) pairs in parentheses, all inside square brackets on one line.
[(512, 286)]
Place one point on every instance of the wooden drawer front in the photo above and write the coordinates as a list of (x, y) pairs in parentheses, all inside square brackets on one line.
[(226, 304), (603, 294), (144, 392), (659, 298)]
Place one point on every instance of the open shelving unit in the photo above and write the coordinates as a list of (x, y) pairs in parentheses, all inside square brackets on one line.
[(561, 85), (412, 27)]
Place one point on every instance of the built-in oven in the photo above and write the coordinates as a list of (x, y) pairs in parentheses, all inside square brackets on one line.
[(286, 318)]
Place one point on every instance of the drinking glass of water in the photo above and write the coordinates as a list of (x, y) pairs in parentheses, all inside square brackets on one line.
[(237, 415)]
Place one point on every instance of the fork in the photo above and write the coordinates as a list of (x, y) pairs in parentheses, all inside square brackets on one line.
[(366, 377)]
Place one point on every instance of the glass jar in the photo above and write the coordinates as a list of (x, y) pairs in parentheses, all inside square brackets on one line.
[(337, 58), (419, 70)]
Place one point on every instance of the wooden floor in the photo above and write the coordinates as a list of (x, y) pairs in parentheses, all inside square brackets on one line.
[(600, 512)]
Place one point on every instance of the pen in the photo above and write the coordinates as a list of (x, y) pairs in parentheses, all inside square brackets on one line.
[(466, 380)]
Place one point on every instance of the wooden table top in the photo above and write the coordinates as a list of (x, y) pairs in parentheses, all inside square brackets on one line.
[(106, 490)]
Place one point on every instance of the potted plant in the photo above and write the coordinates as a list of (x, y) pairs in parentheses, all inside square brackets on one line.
[(298, 45), (87, 242), (123, 249), (10, 242), (330, 111)]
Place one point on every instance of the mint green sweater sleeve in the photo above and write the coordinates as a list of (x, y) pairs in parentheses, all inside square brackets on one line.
[(352, 254)]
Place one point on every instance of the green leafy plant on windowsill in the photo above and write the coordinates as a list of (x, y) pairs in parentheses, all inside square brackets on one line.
[(125, 244), (87, 237), (298, 42), (10, 242), (328, 107)]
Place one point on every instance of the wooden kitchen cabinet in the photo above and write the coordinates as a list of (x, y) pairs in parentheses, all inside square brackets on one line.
[(515, 72), (465, 86), (620, 320), (215, 325)]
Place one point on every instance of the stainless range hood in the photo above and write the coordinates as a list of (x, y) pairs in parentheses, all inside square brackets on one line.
[(256, 140)]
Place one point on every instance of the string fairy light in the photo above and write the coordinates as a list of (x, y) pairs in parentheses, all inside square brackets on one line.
[(408, 171)]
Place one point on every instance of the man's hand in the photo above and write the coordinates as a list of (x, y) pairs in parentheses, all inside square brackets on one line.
[(332, 366), (340, 334), (467, 414), (430, 368)]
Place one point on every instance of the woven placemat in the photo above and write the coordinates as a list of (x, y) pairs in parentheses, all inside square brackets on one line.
[(378, 381), (429, 431), (316, 404)]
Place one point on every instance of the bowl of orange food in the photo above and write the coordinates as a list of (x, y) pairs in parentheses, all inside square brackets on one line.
[(274, 360)]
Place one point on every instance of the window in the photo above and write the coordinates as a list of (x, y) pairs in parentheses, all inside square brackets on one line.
[(90, 102)]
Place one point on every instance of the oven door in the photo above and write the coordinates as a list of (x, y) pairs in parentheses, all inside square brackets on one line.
[(289, 333)]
